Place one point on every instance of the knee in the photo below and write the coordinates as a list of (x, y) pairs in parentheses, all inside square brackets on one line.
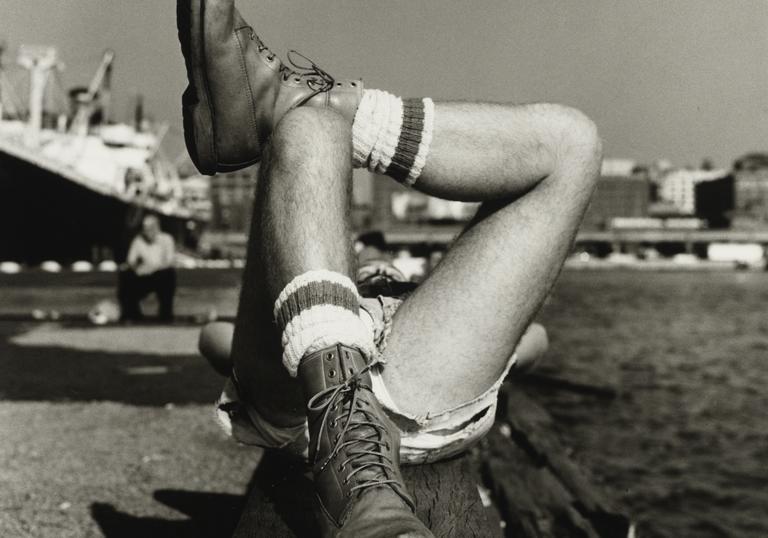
[(576, 141), (310, 132)]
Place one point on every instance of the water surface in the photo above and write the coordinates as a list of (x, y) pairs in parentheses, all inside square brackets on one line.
[(685, 446)]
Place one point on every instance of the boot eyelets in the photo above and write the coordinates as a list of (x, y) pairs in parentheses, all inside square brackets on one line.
[(329, 357), (353, 84), (331, 373)]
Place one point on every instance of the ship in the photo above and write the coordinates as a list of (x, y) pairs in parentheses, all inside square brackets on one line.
[(75, 185)]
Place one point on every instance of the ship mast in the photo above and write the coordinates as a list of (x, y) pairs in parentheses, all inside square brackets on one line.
[(40, 61), (9, 100), (2, 79)]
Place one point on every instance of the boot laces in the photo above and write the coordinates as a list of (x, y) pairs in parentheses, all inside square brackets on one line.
[(316, 78), (367, 449)]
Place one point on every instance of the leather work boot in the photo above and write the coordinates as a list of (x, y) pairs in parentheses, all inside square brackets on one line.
[(238, 89), (354, 450)]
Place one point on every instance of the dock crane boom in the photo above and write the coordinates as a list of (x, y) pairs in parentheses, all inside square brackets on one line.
[(98, 88)]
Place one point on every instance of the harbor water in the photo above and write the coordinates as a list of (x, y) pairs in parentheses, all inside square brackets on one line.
[(685, 444)]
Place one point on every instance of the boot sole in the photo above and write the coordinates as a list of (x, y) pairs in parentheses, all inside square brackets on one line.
[(196, 101)]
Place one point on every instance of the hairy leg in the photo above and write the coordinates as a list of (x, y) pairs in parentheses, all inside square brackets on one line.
[(300, 223), (534, 167)]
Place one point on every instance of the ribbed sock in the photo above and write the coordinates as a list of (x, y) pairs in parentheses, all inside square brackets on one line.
[(391, 135), (318, 309)]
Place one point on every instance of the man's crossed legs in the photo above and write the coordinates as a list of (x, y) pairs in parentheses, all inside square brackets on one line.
[(448, 345)]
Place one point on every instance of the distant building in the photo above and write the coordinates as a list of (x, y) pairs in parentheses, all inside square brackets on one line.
[(196, 191), (617, 167), (715, 201), (232, 200), (678, 187), (396, 207), (623, 194), (750, 174), (363, 185)]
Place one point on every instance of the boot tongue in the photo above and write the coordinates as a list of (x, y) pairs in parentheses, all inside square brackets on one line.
[(368, 436), (361, 395)]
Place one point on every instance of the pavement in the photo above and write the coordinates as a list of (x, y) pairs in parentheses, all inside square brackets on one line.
[(108, 431)]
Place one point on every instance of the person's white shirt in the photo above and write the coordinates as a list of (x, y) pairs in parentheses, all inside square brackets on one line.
[(147, 257)]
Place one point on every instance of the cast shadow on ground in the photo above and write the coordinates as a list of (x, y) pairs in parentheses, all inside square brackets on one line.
[(210, 515), (64, 374), (279, 489)]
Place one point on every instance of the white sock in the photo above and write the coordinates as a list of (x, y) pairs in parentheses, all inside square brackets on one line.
[(391, 136), (318, 309)]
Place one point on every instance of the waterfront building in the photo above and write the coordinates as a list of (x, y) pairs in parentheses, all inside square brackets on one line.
[(618, 167), (714, 202), (232, 200), (750, 174), (395, 207), (623, 191), (678, 187)]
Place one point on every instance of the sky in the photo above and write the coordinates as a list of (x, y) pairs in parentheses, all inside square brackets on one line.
[(675, 79)]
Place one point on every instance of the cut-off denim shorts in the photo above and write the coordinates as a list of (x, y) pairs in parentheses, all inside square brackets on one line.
[(425, 438)]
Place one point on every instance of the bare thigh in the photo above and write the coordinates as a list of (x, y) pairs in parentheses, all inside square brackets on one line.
[(535, 168)]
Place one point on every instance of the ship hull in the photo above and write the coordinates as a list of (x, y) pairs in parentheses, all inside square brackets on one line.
[(45, 216)]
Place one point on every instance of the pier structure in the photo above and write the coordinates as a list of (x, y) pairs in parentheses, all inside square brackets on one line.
[(610, 240)]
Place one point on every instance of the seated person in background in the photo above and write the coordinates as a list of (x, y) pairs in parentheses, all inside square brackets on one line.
[(149, 269)]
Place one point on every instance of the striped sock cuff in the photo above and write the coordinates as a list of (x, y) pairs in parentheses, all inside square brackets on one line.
[(318, 309), (321, 277), (392, 136), (413, 144)]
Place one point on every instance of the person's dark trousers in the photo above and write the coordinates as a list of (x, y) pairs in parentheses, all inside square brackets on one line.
[(132, 288), (163, 283), (129, 295)]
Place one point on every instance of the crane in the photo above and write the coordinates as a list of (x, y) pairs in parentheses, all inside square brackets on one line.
[(98, 88)]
